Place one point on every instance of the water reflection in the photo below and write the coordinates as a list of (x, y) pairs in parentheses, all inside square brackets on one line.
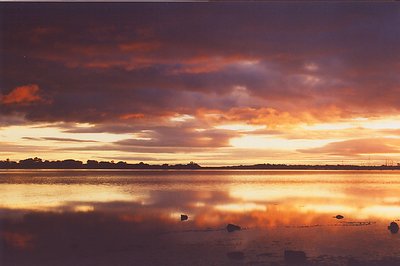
[(127, 221)]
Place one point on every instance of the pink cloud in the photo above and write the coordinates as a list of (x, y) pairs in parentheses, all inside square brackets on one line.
[(358, 147), (22, 95)]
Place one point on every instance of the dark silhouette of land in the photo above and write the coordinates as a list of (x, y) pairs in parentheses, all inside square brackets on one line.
[(37, 163)]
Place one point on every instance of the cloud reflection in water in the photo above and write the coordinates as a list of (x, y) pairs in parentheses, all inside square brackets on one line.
[(137, 223)]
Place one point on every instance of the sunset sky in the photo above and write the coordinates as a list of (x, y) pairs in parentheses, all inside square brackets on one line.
[(215, 83)]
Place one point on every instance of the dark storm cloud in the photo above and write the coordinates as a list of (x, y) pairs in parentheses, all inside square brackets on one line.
[(100, 62)]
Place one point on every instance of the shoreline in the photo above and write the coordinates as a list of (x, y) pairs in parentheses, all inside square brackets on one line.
[(226, 168)]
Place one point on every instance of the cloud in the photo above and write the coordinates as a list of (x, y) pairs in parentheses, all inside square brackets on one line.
[(178, 138), (356, 147), (139, 46), (19, 241), (9, 147), (59, 139), (287, 63), (22, 95), (137, 159), (169, 137), (254, 64), (12, 120)]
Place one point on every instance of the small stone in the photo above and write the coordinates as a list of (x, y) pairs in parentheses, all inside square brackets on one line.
[(184, 217), (393, 227), (232, 227), (339, 216)]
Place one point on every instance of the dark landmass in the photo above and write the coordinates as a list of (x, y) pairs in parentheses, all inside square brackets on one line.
[(37, 163)]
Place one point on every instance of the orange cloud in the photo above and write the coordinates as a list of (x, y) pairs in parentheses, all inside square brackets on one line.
[(132, 116), (211, 63), (139, 46), (18, 240), (22, 95), (355, 147), (255, 116), (272, 117)]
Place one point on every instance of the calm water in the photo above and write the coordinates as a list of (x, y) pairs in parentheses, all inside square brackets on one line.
[(133, 217)]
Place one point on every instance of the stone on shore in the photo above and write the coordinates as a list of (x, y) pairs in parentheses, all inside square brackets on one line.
[(393, 227), (232, 227)]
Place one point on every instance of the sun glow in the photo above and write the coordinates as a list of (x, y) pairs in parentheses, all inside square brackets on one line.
[(249, 193), (47, 197), (391, 122), (16, 133), (274, 143), (241, 207), (181, 118), (241, 127)]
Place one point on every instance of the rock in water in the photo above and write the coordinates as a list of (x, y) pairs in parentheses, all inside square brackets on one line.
[(296, 257), (339, 216), (393, 227), (232, 227), (184, 217)]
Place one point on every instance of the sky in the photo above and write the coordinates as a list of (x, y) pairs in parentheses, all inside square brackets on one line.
[(216, 83)]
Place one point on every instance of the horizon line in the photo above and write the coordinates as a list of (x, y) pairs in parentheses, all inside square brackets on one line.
[(112, 164)]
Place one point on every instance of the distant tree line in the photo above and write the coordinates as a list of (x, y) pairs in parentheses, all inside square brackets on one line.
[(37, 163), (311, 167)]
